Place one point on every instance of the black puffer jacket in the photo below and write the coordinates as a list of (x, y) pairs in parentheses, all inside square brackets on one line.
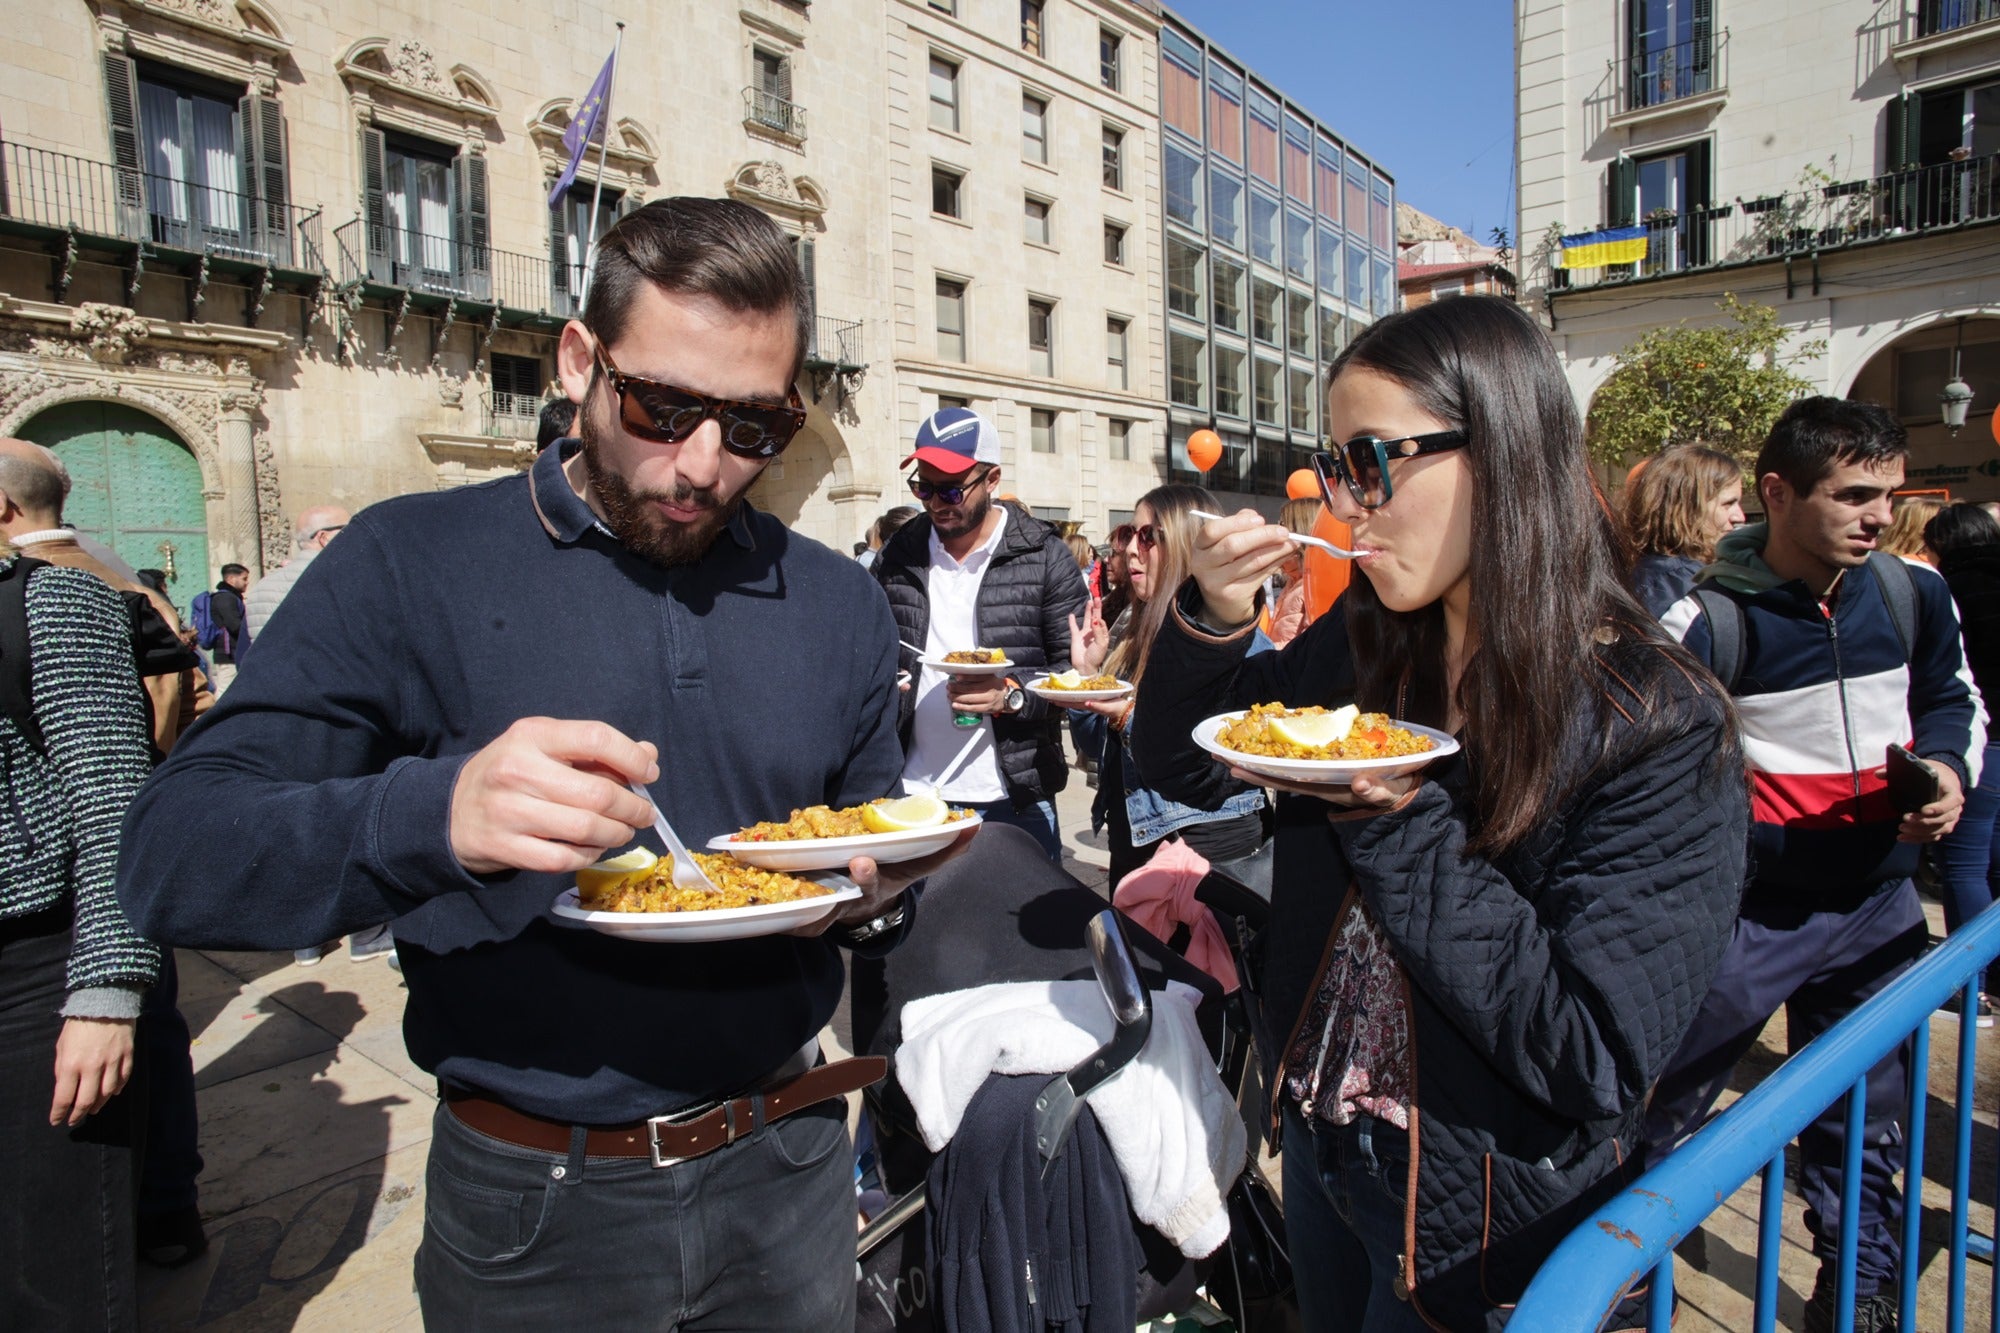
[(1025, 602), (1547, 989)]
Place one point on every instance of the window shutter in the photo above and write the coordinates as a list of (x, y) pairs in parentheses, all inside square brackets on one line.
[(785, 79), (560, 300), (374, 207), (803, 247), (1621, 187), (121, 94), (1701, 55), (1700, 193), (469, 224), (266, 175)]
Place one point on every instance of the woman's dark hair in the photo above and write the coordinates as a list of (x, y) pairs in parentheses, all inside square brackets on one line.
[(717, 248), (1547, 597), (156, 579), (1958, 528), (892, 521)]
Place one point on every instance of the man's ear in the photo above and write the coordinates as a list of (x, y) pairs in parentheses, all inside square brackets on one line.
[(576, 361), (1775, 491)]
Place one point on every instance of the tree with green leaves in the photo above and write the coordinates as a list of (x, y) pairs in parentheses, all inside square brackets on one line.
[(1721, 385)]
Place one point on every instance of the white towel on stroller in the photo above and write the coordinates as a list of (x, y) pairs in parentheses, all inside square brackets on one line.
[(1172, 1127)]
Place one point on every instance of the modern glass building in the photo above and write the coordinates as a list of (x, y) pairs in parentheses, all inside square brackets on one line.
[(1280, 243)]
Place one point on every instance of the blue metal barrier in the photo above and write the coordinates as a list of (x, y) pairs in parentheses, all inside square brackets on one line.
[(1615, 1250)]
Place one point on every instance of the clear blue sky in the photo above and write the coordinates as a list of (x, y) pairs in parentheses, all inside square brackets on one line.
[(1421, 89)]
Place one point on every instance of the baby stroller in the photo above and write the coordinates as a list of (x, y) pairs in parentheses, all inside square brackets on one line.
[(1004, 912)]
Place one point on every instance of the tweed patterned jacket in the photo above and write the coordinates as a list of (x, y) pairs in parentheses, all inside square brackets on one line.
[(59, 836)]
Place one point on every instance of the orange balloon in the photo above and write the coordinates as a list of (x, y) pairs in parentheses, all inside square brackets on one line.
[(1303, 484), (1326, 576), (1637, 468), (1993, 424), (1204, 449)]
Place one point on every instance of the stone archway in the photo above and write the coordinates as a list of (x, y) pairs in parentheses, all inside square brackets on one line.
[(1905, 372), (811, 487)]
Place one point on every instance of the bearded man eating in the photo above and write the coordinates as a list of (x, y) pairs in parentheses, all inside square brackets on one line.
[(438, 731)]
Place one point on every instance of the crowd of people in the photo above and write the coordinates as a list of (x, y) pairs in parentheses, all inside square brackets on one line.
[(1497, 987)]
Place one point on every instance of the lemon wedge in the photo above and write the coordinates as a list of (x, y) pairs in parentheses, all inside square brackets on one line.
[(1069, 680), (606, 874), (903, 813), (1315, 730)]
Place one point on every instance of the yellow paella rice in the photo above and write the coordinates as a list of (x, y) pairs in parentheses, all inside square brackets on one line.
[(1374, 736), (741, 886), (820, 821), (968, 656), (1086, 683)]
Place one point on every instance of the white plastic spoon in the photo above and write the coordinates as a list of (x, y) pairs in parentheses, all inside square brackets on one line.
[(1301, 538), (687, 871)]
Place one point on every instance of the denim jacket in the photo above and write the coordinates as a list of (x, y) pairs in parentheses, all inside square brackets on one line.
[(1151, 815)]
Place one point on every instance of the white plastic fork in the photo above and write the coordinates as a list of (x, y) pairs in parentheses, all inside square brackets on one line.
[(687, 871), (1303, 539)]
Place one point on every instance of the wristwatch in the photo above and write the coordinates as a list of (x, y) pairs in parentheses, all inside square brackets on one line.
[(1016, 697), (863, 931)]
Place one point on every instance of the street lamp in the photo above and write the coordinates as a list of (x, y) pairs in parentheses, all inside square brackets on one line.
[(1957, 394)]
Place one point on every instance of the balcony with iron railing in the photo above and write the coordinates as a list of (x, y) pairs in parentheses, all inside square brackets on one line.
[(1923, 20), (768, 111), (445, 269), (1671, 78), (510, 416), (48, 195), (1918, 201)]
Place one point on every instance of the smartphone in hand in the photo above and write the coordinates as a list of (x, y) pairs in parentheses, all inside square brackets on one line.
[(1913, 784)]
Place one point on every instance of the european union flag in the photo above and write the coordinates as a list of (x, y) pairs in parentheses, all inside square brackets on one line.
[(585, 127)]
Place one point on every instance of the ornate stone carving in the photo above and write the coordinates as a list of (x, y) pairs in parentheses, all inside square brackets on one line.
[(250, 400), (110, 332), (178, 363), (210, 11), (769, 186), (412, 63), (451, 391), (274, 538), (17, 388)]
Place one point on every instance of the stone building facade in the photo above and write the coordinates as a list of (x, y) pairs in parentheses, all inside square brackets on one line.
[(1841, 167)]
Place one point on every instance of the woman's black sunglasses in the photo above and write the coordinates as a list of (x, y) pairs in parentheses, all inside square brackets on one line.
[(1362, 464), (1150, 536), (667, 414), (951, 495)]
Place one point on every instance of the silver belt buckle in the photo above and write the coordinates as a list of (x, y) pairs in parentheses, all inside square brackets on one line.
[(681, 1117)]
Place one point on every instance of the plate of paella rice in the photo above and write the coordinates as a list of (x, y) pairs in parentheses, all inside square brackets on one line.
[(1314, 744), (634, 897), (822, 838)]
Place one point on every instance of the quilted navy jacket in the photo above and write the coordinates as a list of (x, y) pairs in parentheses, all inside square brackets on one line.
[(1025, 601), (1548, 988)]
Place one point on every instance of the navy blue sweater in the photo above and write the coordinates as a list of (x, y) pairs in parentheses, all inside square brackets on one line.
[(314, 799)]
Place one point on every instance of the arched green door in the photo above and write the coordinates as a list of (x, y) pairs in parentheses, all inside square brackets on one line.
[(134, 487)]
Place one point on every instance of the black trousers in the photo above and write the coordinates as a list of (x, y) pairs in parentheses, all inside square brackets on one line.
[(66, 1195)]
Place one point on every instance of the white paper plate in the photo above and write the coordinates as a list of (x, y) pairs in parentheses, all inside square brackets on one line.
[(834, 853), (965, 668), (1335, 772), (1053, 695), (727, 923)]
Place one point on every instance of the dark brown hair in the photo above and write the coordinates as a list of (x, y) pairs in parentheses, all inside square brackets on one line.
[(1546, 593), (1172, 506), (720, 249)]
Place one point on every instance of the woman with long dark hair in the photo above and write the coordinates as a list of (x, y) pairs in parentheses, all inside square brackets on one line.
[(1966, 541), (1684, 501), (1137, 818), (1475, 972)]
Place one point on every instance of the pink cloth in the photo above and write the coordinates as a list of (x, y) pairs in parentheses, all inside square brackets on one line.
[(1159, 895)]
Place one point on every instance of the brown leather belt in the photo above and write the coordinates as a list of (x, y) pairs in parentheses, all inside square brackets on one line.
[(667, 1139)]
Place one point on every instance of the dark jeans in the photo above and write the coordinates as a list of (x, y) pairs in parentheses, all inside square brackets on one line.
[(1038, 819), (1820, 966), (1970, 855), (1345, 1188), (172, 1158), (757, 1235), (66, 1240)]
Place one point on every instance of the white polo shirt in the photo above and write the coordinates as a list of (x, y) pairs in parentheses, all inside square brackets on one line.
[(936, 742)]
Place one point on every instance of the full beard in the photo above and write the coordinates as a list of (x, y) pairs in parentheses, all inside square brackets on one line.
[(970, 517), (634, 516)]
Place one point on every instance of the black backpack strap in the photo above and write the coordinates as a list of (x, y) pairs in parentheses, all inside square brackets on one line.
[(1899, 590), (17, 676), (1725, 635)]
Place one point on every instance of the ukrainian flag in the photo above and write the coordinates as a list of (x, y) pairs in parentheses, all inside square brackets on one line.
[(1596, 249)]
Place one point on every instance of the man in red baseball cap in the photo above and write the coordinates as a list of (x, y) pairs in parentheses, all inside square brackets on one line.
[(970, 573)]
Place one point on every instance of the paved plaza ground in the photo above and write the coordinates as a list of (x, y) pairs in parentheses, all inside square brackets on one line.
[(315, 1126)]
